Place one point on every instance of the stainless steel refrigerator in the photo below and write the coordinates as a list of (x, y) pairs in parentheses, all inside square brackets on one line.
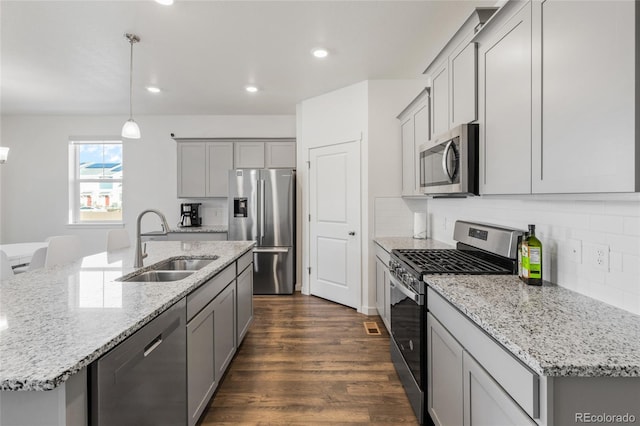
[(262, 208)]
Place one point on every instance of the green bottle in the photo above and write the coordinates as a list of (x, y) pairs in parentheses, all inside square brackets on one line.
[(532, 265)]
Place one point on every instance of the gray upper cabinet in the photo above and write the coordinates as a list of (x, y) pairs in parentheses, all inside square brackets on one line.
[(203, 168), (219, 162), (249, 155), (557, 105), (273, 154), (204, 164), (280, 154), (505, 105), (453, 77), (588, 140), (464, 81), (440, 101), (192, 169), (414, 131)]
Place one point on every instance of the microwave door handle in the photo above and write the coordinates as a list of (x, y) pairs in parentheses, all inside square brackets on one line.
[(445, 165)]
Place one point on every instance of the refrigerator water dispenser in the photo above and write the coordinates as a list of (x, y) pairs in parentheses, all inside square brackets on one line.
[(240, 207)]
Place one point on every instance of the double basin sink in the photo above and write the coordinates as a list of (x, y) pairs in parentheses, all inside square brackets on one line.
[(170, 270)]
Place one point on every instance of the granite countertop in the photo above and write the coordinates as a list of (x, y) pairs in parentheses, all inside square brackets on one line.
[(203, 228), (55, 321), (553, 330), (390, 243)]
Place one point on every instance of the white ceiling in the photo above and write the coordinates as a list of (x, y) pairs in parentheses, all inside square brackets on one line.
[(71, 57)]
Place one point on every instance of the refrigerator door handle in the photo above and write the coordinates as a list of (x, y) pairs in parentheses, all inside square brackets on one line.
[(271, 250), (262, 210)]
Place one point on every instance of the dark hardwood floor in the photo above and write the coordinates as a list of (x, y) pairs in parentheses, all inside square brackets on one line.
[(306, 360)]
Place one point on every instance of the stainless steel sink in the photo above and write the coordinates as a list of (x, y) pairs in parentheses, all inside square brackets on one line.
[(171, 270), (159, 276), (183, 264)]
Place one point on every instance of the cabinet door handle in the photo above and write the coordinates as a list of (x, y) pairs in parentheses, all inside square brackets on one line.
[(352, 233)]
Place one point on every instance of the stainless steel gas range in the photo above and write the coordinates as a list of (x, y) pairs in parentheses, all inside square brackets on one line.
[(481, 249)]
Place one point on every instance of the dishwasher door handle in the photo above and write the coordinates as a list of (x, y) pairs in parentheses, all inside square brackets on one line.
[(152, 346)]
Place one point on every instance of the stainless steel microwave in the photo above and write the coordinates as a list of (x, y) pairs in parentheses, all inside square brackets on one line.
[(449, 163)]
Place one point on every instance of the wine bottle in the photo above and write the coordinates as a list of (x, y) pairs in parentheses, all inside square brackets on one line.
[(534, 261)]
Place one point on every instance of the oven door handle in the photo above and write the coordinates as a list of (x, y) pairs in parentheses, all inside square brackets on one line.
[(395, 283)]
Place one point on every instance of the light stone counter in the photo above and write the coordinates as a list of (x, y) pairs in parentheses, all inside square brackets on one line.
[(553, 330), (201, 229), (56, 321)]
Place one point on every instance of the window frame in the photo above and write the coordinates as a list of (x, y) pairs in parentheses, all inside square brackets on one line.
[(75, 180)]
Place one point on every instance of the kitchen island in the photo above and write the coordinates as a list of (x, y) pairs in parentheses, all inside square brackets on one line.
[(56, 321)]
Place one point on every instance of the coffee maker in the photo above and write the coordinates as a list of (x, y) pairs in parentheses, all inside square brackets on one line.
[(190, 214)]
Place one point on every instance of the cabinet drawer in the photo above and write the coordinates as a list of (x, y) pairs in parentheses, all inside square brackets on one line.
[(199, 298), (383, 255), (516, 379), (244, 261)]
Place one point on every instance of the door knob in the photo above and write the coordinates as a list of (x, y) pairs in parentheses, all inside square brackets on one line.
[(352, 232)]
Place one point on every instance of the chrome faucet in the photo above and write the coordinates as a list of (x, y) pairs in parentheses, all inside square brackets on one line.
[(140, 253)]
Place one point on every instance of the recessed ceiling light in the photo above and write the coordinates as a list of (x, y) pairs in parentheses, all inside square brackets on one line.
[(251, 89), (320, 52), (153, 89), (165, 2)]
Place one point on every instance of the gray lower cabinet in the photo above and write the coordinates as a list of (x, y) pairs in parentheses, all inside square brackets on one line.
[(472, 380), (485, 402), (444, 377), (219, 314), (224, 324), (460, 391), (383, 286), (201, 371), (244, 285)]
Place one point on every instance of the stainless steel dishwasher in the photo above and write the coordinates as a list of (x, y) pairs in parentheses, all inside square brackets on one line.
[(142, 381)]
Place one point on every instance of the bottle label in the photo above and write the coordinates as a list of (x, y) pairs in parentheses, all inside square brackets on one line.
[(535, 263)]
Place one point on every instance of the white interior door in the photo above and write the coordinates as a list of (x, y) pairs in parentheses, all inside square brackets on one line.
[(334, 204)]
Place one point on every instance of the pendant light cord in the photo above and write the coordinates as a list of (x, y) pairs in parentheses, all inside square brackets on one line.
[(131, 81), (132, 39)]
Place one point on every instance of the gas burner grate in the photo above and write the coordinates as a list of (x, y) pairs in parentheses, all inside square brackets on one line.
[(450, 261)]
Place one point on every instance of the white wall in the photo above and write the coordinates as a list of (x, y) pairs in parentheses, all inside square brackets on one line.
[(34, 185), (364, 110), (613, 221), (335, 117), (386, 99)]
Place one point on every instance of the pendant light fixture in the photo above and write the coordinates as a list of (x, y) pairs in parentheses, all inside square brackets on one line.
[(4, 153), (130, 129)]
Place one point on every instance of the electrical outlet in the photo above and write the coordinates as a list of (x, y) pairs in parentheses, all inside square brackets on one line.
[(599, 256)]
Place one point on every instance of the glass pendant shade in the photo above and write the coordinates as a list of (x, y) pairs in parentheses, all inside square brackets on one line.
[(4, 153), (130, 130)]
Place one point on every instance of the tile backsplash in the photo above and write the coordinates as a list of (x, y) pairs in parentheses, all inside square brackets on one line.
[(387, 211), (591, 247), (212, 211)]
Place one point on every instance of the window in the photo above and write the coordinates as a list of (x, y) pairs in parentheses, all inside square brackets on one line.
[(95, 181)]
